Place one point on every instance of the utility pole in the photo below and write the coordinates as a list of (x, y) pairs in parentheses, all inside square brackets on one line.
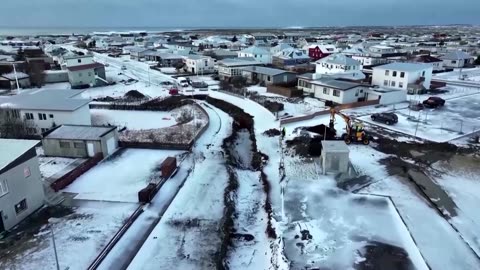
[(54, 245), (16, 77)]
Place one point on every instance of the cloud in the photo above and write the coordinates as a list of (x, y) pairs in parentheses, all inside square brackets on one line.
[(234, 13)]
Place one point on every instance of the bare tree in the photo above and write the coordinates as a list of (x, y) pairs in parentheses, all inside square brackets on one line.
[(36, 70), (185, 116), (12, 126)]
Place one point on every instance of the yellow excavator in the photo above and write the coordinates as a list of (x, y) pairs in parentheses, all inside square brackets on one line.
[(355, 131)]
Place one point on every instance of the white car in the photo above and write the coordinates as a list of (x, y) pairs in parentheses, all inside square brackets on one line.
[(182, 81)]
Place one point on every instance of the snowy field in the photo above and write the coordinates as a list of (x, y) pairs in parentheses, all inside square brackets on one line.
[(79, 238), (133, 120), (119, 179), (51, 166), (466, 74), (458, 117)]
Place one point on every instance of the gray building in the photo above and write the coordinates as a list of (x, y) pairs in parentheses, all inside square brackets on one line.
[(21, 188), (164, 59), (80, 141), (268, 75)]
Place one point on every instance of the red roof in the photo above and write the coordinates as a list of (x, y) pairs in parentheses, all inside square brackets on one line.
[(84, 67)]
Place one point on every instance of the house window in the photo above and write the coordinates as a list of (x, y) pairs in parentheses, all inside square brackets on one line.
[(336, 93), (423, 74), (268, 78), (79, 60), (26, 172), (50, 115), (80, 74), (326, 91), (387, 72), (385, 83), (206, 63), (402, 74), (21, 206), (3, 187), (42, 116), (29, 116), (44, 130), (394, 74), (400, 84), (79, 145), (64, 144), (393, 83), (454, 62)]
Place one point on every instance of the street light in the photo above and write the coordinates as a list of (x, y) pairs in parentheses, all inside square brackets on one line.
[(50, 222)]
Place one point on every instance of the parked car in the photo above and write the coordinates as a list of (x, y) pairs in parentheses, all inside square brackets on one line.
[(182, 81), (433, 102), (387, 118), (166, 83)]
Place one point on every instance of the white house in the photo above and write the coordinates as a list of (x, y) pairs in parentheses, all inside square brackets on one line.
[(365, 57), (457, 59), (260, 54), (382, 49), (339, 63), (338, 91), (436, 63), (406, 76), (280, 47), (83, 71), (232, 67), (44, 109), (199, 64)]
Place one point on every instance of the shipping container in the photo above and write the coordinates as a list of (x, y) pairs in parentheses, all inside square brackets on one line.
[(168, 167)]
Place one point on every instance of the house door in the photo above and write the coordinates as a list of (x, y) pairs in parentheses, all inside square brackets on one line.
[(90, 150), (193, 70), (2, 227)]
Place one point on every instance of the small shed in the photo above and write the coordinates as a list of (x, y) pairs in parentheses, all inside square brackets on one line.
[(80, 141), (335, 157)]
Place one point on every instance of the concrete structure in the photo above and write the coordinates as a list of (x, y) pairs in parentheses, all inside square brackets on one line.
[(9, 80), (260, 54), (335, 157), (457, 59), (339, 63), (21, 188), (280, 47), (199, 64), (338, 91), (386, 96), (43, 109), (406, 76), (267, 75), (232, 67), (80, 141)]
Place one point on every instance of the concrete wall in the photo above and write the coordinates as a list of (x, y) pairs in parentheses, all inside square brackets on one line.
[(19, 188), (387, 97), (335, 162), (345, 96), (55, 77), (104, 140)]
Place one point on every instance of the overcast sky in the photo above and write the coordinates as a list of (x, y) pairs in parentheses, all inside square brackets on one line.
[(234, 13)]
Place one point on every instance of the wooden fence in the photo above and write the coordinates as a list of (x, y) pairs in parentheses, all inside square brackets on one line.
[(71, 176)]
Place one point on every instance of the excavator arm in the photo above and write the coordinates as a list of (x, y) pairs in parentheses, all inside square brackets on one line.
[(347, 119)]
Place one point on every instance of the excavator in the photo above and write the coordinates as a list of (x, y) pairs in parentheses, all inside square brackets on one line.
[(355, 132)]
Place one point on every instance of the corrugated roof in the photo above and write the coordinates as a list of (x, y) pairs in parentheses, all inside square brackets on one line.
[(71, 132), (238, 62), (337, 84), (255, 50), (456, 55), (85, 67), (11, 149), (45, 99), (399, 66), (11, 76), (339, 59), (265, 70)]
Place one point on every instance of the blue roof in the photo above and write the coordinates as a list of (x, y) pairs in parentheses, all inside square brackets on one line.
[(400, 66)]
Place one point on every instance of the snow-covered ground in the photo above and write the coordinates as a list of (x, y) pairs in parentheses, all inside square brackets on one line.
[(50, 166), (459, 116), (133, 120), (79, 237), (119, 179), (188, 236), (465, 74)]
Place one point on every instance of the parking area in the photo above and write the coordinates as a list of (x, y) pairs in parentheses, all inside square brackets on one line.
[(457, 118)]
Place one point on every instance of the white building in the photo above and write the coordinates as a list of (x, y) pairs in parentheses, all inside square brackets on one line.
[(83, 71), (199, 64), (260, 54), (335, 157), (339, 63), (457, 59), (386, 96), (404, 76), (365, 57), (44, 109), (232, 67), (338, 91), (382, 49)]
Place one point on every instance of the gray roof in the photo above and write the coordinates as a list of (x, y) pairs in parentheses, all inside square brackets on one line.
[(266, 70), (339, 59), (12, 149), (238, 62), (196, 56), (400, 66), (45, 99), (164, 55), (70, 132), (456, 55), (11, 76), (335, 146), (337, 84)]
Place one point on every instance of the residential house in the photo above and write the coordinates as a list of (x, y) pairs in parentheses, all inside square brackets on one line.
[(84, 72), (294, 36), (267, 75), (319, 51), (76, 141), (200, 64), (21, 187), (457, 59), (260, 54), (43, 109), (264, 36), (436, 63), (411, 77), (382, 49), (232, 67), (280, 47), (164, 59), (291, 59), (9, 80), (340, 64), (338, 91), (136, 52), (220, 54)]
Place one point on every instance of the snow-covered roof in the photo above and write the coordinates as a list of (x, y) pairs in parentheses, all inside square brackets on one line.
[(12, 149), (281, 47), (337, 84), (256, 50), (45, 99), (11, 75), (407, 67), (71, 132), (456, 55), (335, 146), (266, 70), (238, 62), (339, 59), (325, 48)]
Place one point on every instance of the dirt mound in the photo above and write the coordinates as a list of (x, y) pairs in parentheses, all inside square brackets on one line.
[(105, 99), (272, 132), (134, 94), (167, 104), (323, 130), (306, 146), (384, 256)]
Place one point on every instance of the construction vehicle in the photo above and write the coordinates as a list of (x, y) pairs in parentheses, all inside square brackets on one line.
[(355, 131)]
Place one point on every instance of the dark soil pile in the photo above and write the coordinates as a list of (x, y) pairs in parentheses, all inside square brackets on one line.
[(323, 130), (134, 94), (166, 104), (272, 132), (384, 256), (105, 99), (305, 146)]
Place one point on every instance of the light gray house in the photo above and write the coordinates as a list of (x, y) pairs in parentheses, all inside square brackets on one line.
[(268, 75), (80, 141), (9, 80), (457, 59), (21, 188)]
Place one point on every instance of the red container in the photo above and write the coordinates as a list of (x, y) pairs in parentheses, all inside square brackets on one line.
[(145, 195), (168, 167)]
